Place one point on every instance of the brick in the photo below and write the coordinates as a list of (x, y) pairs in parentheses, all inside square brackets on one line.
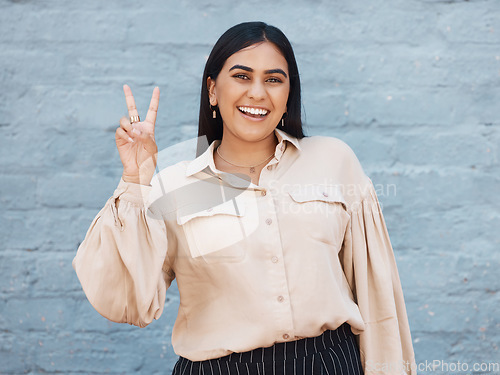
[(17, 272), (74, 190), (445, 148), (15, 354), (465, 23), (18, 192), (431, 106)]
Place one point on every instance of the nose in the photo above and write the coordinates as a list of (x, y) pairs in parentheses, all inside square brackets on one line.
[(257, 90)]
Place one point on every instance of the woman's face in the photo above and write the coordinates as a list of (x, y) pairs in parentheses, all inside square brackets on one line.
[(255, 77)]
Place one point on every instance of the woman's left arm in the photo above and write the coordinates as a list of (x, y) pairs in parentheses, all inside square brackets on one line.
[(370, 268)]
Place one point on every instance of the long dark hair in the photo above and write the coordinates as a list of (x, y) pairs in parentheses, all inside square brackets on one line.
[(234, 39)]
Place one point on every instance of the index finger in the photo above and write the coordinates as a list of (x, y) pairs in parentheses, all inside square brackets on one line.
[(129, 98), (153, 106)]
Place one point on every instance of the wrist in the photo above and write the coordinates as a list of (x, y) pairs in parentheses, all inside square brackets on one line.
[(132, 179), (135, 180)]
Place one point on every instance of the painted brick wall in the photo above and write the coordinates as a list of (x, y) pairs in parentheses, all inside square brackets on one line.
[(411, 85)]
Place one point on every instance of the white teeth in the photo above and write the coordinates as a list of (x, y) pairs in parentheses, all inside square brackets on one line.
[(253, 111)]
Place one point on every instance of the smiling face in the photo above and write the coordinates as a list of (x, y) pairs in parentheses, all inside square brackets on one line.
[(254, 79)]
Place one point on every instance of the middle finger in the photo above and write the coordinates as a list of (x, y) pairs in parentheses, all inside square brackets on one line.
[(153, 107), (129, 99)]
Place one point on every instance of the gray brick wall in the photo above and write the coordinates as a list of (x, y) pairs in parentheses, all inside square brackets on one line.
[(411, 85)]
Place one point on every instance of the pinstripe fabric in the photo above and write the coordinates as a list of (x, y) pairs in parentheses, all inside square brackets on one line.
[(334, 352)]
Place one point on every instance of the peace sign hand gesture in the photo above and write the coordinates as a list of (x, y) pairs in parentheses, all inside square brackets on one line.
[(136, 142)]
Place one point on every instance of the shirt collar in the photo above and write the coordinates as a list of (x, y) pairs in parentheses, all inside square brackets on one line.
[(207, 158)]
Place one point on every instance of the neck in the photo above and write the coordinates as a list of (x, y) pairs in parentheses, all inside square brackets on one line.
[(242, 152)]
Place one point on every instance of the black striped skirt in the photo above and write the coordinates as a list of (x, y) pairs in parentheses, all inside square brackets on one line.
[(333, 352)]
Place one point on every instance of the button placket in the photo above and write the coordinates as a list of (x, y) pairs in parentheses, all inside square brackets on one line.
[(278, 284)]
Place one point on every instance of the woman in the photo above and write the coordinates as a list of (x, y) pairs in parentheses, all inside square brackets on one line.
[(280, 250)]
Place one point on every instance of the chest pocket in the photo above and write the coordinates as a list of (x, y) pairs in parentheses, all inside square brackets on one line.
[(320, 211), (216, 234)]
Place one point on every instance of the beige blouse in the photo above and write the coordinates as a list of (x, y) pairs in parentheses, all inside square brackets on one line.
[(304, 251)]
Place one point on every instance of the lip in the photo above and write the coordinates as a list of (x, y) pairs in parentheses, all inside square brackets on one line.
[(252, 118)]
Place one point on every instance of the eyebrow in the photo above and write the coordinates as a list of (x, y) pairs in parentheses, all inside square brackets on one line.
[(270, 71)]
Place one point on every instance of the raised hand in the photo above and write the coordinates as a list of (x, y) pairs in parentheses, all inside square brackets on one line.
[(136, 142)]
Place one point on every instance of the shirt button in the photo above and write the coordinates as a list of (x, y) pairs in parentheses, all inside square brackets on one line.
[(285, 336), (263, 192), (282, 147), (280, 299), (274, 259), (269, 167), (268, 221), (325, 194), (209, 209)]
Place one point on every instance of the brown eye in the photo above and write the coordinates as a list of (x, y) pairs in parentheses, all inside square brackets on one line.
[(276, 80)]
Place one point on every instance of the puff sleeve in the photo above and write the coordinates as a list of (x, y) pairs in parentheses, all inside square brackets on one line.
[(371, 271), (122, 263)]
